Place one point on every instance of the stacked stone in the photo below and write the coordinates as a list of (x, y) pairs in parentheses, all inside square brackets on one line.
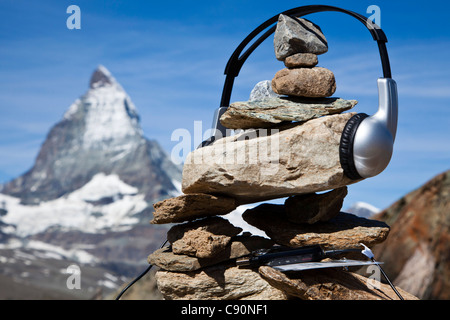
[(297, 42), (200, 262)]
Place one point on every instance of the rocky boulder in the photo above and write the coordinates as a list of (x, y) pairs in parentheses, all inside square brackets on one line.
[(314, 82), (295, 35), (417, 257), (298, 159), (344, 231)]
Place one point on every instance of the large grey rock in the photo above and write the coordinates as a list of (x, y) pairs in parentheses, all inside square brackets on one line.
[(239, 246), (299, 159), (262, 90), (202, 238), (191, 206), (314, 82), (271, 111), (297, 35), (219, 282), (344, 231)]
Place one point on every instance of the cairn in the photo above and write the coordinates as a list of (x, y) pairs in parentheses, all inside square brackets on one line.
[(200, 262)]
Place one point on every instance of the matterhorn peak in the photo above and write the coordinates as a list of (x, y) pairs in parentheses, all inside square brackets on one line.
[(106, 112), (101, 78), (99, 133)]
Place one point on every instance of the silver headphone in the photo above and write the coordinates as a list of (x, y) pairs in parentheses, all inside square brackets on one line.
[(367, 142)]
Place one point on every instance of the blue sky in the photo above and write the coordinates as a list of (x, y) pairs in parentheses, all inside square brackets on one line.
[(170, 57)]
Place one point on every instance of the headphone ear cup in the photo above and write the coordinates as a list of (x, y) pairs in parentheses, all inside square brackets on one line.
[(346, 146)]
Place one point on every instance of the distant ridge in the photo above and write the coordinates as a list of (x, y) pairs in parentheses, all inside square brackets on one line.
[(363, 209)]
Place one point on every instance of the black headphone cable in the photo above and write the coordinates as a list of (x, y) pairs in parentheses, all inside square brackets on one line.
[(138, 277)]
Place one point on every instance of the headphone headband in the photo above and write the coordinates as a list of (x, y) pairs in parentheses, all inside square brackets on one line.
[(236, 60)]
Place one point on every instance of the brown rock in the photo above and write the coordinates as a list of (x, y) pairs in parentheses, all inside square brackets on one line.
[(191, 206), (219, 282), (311, 208), (202, 238), (344, 231), (302, 158), (271, 111), (240, 246), (314, 82), (330, 284), (165, 259), (301, 60), (417, 257)]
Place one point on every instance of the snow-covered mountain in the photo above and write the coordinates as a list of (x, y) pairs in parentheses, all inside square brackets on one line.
[(103, 203), (100, 132), (363, 209), (88, 197)]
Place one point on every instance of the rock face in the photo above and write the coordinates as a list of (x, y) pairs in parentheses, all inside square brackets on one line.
[(271, 111), (314, 82), (417, 258), (308, 161), (294, 35)]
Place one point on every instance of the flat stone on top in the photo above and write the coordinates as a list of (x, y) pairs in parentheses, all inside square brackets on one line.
[(271, 111)]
